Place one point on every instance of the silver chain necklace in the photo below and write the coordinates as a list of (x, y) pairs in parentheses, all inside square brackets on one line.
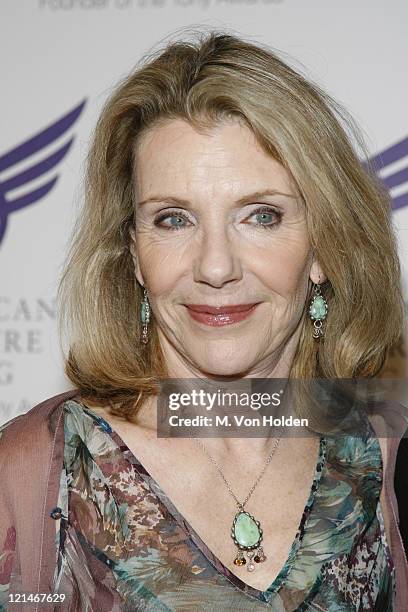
[(246, 531)]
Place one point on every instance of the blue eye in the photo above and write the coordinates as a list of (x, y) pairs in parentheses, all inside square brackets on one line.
[(174, 215), (263, 211), (267, 211)]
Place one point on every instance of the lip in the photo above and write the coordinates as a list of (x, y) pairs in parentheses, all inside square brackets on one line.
[(221, 315), (227, 309)]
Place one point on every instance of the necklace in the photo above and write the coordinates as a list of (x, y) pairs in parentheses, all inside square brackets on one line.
[(246, 531)]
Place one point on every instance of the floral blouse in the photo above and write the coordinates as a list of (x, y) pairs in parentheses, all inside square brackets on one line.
[(122, 545)]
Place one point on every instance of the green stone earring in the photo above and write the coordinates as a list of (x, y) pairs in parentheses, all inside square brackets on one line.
[(318, 311), (145, 316)]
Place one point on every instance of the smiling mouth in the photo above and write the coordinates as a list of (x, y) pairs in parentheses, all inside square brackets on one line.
[(219, 316)]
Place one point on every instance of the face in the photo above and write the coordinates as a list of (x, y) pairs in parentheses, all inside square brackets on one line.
[(219, 222)]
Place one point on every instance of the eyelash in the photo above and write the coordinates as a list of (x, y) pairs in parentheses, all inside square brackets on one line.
[(260, 210)]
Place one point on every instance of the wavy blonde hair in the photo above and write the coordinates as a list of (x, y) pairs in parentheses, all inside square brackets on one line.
[(214, 76)]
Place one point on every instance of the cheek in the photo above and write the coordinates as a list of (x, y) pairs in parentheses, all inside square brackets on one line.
[(283, 266)]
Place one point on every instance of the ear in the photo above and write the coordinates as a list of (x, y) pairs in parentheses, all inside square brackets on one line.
[(317, 275), (133, 251)]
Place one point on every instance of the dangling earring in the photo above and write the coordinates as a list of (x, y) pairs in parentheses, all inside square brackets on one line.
[(145, 316), (318, 311)]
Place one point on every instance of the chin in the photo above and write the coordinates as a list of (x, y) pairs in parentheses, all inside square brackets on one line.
[(224, 369)]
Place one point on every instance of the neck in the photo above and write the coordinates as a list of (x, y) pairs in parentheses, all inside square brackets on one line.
[(276, 365)]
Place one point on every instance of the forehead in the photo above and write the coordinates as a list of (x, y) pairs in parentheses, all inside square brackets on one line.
[(228, 155)]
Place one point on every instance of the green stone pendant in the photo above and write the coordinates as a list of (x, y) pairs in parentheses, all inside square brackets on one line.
[(318, 311), (247, 535), (318, 307), (143, 312)]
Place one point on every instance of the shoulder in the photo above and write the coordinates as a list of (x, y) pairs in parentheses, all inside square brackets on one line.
[(27, 435)]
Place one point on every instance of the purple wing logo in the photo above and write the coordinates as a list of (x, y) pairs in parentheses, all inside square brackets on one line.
[(391, 165), (25, 151)]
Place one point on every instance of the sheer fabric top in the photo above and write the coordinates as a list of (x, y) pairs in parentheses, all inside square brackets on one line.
[(122, 545)]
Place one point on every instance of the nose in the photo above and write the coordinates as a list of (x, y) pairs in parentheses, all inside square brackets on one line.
[(216, 260)]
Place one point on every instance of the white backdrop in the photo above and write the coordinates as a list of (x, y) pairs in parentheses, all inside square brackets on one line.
[(58, 54)]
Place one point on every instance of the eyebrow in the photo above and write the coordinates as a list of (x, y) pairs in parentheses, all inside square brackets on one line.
[(242, 200)]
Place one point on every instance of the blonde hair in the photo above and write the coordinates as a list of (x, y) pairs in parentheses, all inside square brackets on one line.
[(220, 75)]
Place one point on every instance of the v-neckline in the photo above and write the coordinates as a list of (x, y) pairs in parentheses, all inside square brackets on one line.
[(190, 531)]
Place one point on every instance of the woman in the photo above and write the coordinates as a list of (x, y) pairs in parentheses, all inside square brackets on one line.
[(218, 177)]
